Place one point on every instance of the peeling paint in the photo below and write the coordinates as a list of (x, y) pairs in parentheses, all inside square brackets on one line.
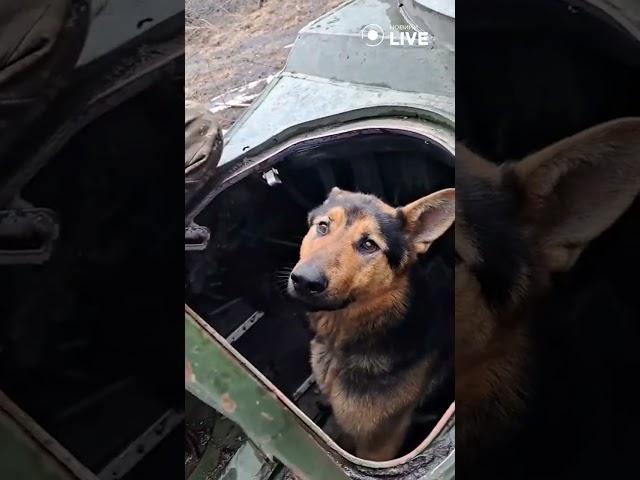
[(227, 403), (267, 416), (189, 376)]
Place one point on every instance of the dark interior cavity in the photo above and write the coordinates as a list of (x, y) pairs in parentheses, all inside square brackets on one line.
[(256, 230), (532, 72), (83, 337)]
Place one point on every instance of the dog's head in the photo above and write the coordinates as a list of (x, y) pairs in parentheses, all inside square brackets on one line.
[(358, 247), (517, 225)]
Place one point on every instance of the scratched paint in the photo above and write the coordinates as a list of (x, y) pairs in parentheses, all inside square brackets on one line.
[(189, 376), (227, 403)]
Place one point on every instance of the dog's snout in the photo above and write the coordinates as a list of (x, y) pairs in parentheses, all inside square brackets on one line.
[(308, 280)]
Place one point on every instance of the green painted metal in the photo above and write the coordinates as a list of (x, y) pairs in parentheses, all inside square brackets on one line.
[(332, 76), (27, 452), (276, 116), (333, 47), (21, 459), (214, 376)]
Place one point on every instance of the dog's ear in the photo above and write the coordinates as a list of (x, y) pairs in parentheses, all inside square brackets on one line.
[(577, 188), (428, 218), (333, 193)]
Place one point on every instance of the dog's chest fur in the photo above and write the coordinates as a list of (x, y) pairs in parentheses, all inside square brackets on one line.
[(336, 370), (371, 377), (367, 393), (351, 356)]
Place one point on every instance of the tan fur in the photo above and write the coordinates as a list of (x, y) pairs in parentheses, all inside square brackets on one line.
[(377, 425), (578, 187), (339, 326), (341, 262), (429, 217)]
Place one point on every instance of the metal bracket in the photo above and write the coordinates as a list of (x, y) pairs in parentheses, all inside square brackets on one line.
[(306, 385), (135, 452), (246, 325), (27, 235), (196, 238), (272, 177)]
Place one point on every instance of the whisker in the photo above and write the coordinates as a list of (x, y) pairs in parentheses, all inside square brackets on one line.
[(283, 272), (282, 287)]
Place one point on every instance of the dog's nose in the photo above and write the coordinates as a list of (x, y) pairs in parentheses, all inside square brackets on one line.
[(308, 280)]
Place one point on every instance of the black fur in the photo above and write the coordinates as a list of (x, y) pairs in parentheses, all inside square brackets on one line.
[(391, 229), (425, 331), (492, 216)]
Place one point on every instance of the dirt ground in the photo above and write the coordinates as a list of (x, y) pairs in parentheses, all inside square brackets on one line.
[(231, 43)]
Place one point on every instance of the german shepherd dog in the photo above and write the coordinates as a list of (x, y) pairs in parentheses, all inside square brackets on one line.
[(376, 351), (521, 228)]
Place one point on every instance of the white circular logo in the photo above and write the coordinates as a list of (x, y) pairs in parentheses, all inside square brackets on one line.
[(373, 34)]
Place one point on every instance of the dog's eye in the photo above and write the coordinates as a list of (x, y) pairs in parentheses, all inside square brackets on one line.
[(368, 246), (322, 228)]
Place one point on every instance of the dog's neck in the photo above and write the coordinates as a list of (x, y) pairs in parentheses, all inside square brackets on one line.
[(494, 387), (365, 317)]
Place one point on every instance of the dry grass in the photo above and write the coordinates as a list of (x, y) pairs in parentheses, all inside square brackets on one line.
[(231, 43)]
